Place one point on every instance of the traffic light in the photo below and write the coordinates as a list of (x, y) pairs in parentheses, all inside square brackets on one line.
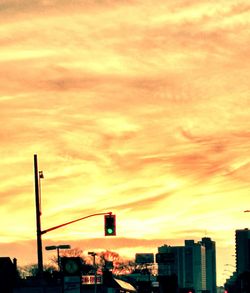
[(109, 225)]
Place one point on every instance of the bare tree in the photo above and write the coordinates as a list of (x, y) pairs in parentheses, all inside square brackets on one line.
[(113, 261), (31, 270), (73, 252)]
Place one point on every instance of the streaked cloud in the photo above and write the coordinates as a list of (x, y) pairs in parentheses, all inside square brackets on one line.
[(140, 107)]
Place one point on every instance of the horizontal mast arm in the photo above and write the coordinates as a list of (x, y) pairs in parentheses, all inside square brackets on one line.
[(71, 222)]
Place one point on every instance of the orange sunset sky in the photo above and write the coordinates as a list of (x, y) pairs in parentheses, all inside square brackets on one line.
[(136, 107)]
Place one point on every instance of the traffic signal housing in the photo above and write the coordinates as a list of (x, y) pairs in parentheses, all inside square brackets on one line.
[(109, 225)]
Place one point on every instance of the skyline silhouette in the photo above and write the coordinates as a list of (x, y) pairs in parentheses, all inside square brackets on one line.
[(139, 108)]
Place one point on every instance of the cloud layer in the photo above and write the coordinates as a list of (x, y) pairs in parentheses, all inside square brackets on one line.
[(139, 107)]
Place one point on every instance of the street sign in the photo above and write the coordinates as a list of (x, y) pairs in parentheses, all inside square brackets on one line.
[(90, 279), (71, 266), (72, 284)]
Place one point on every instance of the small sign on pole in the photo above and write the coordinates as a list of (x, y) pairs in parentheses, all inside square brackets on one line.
[(72, 284)]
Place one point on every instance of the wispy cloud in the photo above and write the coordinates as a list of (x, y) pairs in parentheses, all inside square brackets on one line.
[(141, 107)]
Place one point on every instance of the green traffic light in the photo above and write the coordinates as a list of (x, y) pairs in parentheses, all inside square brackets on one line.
[(110, 231), (109, 225)]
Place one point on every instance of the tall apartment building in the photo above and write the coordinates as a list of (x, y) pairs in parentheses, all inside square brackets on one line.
[(171, 261), (210, 264), (189, 263), (242, 247), (195, 266)]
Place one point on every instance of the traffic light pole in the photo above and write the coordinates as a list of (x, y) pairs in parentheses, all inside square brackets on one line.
[(40, 232), (38, 218)]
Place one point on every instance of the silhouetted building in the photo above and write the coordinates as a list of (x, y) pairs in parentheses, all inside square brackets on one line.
[(242, 247), (195, 266), (171, 261), (8, 274), (168, 284), (189, 264), (210, 264)]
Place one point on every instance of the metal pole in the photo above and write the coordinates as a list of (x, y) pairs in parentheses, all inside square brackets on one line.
[(38, 219), (58, 258), (95, 268), (95, 271)]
